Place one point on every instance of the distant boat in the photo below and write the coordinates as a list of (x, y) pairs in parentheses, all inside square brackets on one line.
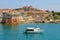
[(33, 30)]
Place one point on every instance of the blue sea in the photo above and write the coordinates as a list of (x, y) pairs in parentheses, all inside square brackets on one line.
[(15, 32)]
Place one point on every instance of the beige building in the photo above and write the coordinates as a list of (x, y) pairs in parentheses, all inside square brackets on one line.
[(11, 18)]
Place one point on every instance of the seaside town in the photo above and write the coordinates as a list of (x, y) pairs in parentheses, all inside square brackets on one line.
[(27, 14), (29, 19)]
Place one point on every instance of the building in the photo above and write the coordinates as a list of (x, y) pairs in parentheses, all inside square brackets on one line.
[(11, 18), (24, 15)]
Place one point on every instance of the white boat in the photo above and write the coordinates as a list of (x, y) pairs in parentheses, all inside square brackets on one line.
[(33, 30)]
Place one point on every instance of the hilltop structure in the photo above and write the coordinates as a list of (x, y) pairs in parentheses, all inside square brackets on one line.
[(26, 14)]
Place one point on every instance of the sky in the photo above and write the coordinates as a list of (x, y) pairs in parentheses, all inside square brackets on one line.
[(41, 4)]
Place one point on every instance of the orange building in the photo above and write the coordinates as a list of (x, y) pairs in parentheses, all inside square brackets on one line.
[(11, 18)]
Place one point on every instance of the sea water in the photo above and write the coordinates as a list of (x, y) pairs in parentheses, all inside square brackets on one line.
[(15, 32)]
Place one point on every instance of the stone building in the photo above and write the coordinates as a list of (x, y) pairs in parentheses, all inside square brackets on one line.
[(11, 18)]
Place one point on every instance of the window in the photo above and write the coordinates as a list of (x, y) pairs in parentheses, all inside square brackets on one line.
[(29, 30)]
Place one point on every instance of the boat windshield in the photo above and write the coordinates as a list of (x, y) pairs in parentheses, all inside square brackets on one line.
[(29, 30)]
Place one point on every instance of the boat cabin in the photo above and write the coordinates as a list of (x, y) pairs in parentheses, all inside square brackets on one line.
[(30, 29)]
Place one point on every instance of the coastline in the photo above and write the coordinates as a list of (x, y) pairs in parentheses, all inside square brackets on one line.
[(55, 21)]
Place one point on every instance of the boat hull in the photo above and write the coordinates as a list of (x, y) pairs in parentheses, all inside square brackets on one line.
[(32, 32)]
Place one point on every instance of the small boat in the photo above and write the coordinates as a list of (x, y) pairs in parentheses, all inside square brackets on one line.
[(33, 30)]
